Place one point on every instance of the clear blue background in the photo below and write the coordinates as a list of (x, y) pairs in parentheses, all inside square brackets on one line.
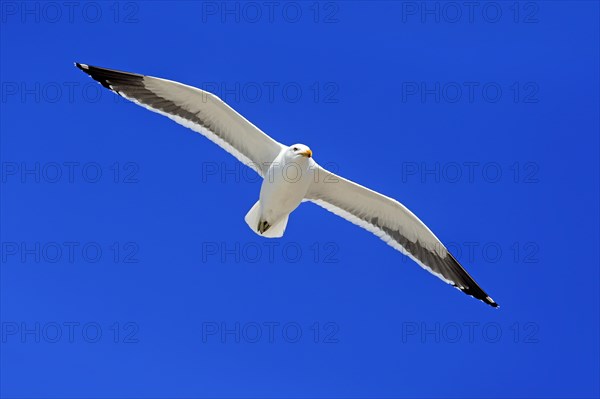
[(360, 55)]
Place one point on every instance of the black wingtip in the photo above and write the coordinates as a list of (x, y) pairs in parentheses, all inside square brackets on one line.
[(491, 302), (482, 296), (93, 73), (111, 78), (468, 285)]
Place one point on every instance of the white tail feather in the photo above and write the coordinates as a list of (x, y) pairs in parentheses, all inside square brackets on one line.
[(253, 218)]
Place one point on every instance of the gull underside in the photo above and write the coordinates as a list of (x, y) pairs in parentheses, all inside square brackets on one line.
[(282, 192)]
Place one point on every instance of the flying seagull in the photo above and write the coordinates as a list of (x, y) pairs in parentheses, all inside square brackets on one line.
[(290, 174)]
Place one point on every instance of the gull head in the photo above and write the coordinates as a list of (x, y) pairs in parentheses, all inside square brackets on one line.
[(299, 150)]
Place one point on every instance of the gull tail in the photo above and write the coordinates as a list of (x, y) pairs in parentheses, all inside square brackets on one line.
[(262, 227)]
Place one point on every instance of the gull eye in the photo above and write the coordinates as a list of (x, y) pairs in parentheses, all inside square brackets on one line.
[(295, 148)]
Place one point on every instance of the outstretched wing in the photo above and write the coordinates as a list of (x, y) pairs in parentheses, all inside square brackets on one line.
[(196, 109), (393, 223)]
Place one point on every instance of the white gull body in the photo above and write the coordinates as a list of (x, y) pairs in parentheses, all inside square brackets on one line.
[(284, 187)]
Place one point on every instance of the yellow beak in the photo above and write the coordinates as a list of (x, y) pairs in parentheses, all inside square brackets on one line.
[(307, 153)]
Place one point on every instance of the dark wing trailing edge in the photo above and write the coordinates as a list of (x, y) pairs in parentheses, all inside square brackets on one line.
[(196, 109), (395, 224)]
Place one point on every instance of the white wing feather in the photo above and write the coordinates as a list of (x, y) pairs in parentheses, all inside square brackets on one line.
[(393, 223), (196, 109)]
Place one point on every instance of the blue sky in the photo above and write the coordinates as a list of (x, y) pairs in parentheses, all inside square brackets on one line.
[(127, 269)]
